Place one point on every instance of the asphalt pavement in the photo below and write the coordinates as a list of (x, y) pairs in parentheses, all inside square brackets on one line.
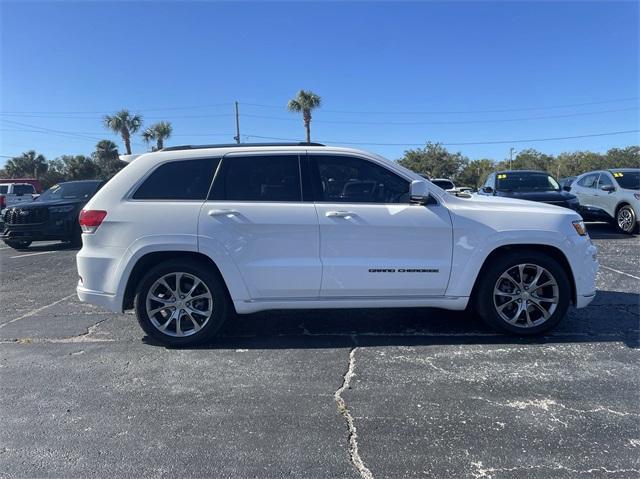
[(365, 393)]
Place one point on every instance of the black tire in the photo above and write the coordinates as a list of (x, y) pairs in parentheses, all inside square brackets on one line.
[(626, 220), (16, 244), (220, 304), (486, 303)]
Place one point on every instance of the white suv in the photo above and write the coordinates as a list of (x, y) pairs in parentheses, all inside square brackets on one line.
[(610, 195), (190, 235)]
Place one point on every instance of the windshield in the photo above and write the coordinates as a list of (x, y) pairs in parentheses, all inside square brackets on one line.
[(526, 181), (629, 180), (69, 191)]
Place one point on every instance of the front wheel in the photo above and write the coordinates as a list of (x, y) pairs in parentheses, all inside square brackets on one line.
[(181, 303), (525, 293), (15, 244), (626, 219)]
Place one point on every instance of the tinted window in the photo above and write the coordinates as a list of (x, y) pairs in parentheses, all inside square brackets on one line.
[(629, 180), (70, 191), (354, 180), (23, 189), (4, 189), (179, 180), (259, 178), (589, 181)]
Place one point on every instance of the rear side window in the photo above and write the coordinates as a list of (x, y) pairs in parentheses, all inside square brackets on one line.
[(4, 189), (258, 178), (589, 181), (179, 180), (23, 189)]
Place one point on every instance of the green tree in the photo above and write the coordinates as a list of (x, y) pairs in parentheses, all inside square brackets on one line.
[(158, 133), (29, 164), (531, 159), (56, 173), (79, 167), (628, 157), (434, 161), (305, 102), (124, 124), (107, 159), (475, 172)]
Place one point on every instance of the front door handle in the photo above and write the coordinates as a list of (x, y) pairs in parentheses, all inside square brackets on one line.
[(338, 214), (214, 213)]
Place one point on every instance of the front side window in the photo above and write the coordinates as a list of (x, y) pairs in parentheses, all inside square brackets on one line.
[(179, 180), (589, 181), (258, 178), (604, 180), (345, 179)]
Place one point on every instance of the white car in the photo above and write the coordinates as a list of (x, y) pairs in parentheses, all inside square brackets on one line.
[(610, 195), (188, 235)]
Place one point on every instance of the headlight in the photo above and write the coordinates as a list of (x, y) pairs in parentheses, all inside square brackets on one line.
[(580, 228), (61, 209)]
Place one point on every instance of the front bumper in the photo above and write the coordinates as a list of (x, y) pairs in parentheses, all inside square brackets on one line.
[(38, 232)]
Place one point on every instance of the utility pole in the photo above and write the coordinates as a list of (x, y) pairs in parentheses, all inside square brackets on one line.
[(237, 137), (511, 151)]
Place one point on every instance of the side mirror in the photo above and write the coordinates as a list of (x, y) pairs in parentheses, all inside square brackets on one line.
[(487, 189), (419, 191), (566, 187), (608, 188)]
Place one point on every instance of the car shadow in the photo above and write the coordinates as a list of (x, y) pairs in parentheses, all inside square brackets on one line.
[(603, 230), (613, 317)]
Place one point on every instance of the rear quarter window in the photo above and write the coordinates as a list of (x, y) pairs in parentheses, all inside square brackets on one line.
[(179, 180)]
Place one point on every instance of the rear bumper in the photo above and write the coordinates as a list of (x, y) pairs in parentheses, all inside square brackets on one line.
[(582, 301), (99, 298)]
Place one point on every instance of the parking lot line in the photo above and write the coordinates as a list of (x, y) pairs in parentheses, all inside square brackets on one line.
[(31, 254), (619, 272), (36, 311)]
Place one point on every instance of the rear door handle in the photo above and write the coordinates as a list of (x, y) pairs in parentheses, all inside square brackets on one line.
[(214, 213), (338, 214)]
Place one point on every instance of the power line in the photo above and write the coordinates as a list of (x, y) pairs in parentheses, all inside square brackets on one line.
[(456, 112), (457, 122), (462, 143), (282, 107)]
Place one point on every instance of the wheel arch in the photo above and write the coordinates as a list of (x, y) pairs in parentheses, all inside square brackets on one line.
[(551, 251), (149, 260)]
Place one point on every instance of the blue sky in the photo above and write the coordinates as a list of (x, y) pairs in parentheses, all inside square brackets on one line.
[(391, 75)]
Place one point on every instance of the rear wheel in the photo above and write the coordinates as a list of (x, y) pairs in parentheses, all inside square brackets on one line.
[(16, 244), (524, 293), (626, 219), (181, 303)]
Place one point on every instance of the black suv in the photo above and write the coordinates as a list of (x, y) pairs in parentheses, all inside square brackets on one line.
[(528, 185), (52, 216)]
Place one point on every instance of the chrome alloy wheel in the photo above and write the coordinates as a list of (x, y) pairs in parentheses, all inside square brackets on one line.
[(526, 295), (625, 219), (179, 304)]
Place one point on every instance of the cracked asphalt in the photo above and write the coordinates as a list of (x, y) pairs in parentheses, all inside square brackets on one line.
[(429, 393)]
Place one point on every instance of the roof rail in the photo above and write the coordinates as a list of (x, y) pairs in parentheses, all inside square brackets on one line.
[(236, 145)]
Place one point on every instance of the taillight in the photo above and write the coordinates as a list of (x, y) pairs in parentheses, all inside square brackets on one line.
[(3, 202), (91, 219)]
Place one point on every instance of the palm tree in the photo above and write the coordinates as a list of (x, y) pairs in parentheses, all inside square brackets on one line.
[(124, 123), (305, 102), (28, 163), (158, 132)]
